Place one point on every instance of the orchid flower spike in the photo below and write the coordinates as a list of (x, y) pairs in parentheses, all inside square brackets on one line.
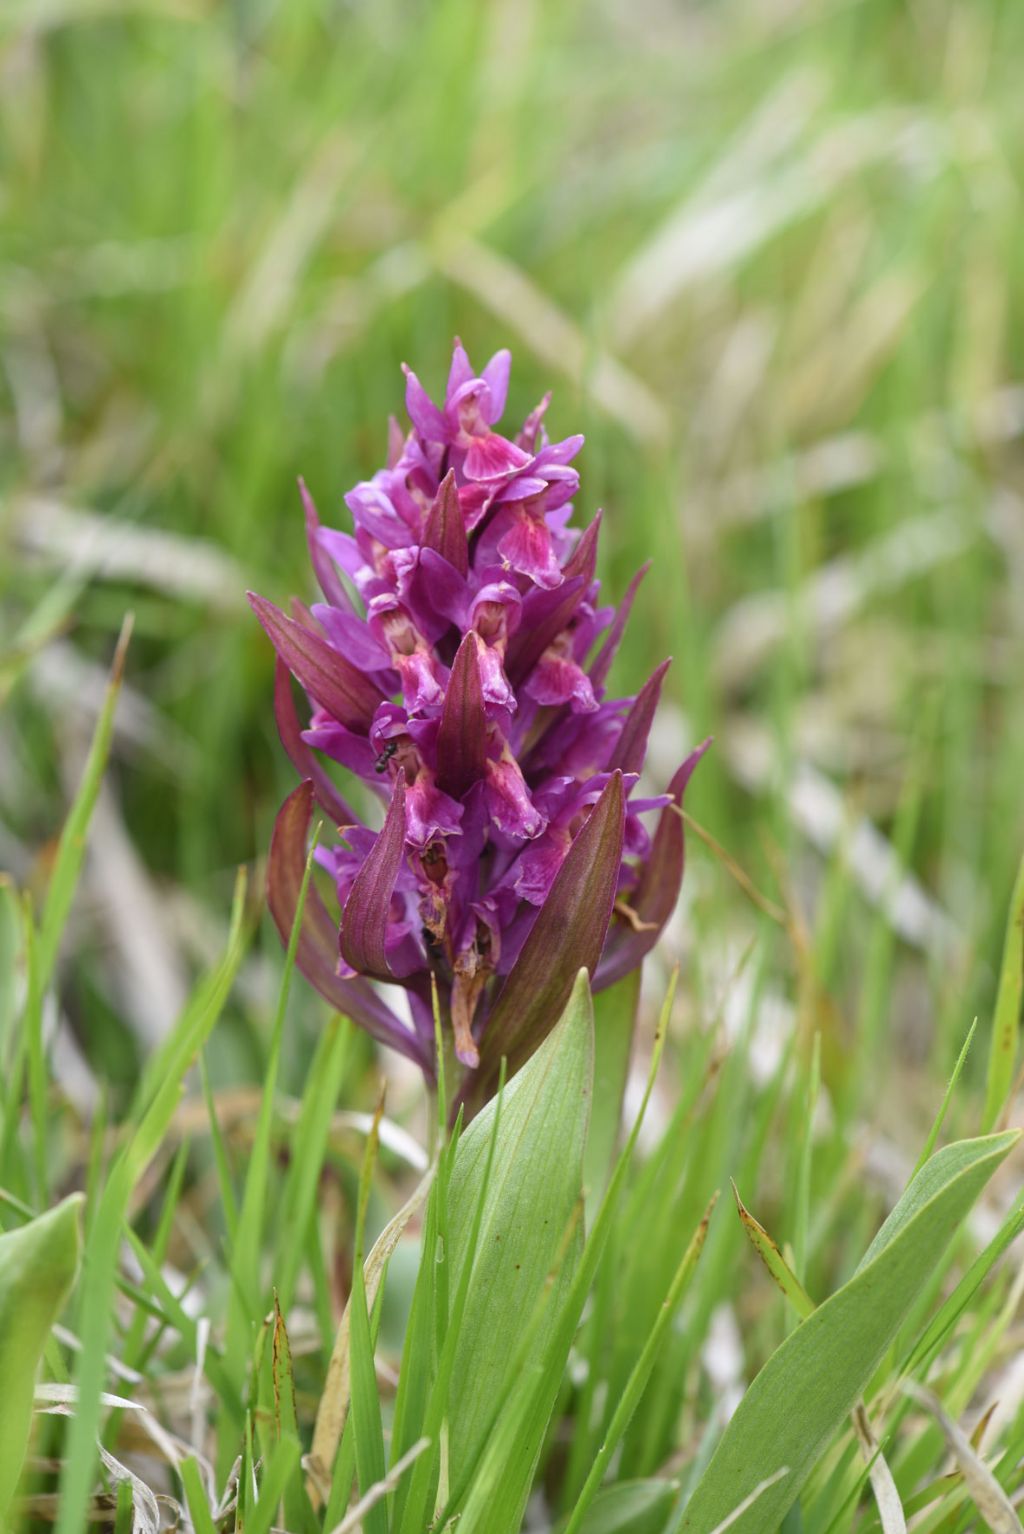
[(457, 667)]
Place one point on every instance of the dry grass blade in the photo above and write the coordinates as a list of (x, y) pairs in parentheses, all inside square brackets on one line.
[(353, 1518), (887, 1498), (988, 1496), (145, 1508), (763, 902)]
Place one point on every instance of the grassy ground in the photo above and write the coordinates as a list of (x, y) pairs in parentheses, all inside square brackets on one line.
[(768, 257)]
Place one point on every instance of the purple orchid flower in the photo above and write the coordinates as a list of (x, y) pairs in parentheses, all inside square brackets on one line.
[(458, 668)]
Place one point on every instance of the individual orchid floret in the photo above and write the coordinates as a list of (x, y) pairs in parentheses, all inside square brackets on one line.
[(456, 670)]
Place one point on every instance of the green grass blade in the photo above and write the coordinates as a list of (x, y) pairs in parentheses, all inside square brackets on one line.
[(637, 1382), (417, 1510), (195, 1496), (367, 1425), (281, 1466), (308, 1149), (1002, 1057), (229, 1207), (37, 1073), (104, 1235), (774, 1261), (940, 1118), (245, 1302), (38, 1263), (802, 1195), (71, 848), (812, 1382)]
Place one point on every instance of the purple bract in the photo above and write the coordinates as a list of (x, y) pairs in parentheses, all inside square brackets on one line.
[(457, 666)]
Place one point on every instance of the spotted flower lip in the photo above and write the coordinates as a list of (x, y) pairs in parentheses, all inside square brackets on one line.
[(457, 669)]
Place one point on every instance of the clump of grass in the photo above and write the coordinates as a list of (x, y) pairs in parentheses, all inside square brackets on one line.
[(496, 1348)]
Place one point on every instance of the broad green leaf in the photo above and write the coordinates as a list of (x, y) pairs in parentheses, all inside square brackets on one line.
[(535, 1187), (37, 1268), (493, 1499), (447, 1318), (810, 1384)]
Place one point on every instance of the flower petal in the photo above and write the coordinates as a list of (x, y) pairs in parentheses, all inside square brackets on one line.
[(508, 799), (462, 735), (352, 637), (332, 680), (428, 420), (657, 890), (316, 955), (556, 679), (525, 546), (461, 370), (492, 456), (546, 614), (567, 936), (496, 375)]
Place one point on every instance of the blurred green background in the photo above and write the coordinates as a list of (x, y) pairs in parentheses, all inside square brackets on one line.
[(768, 256)]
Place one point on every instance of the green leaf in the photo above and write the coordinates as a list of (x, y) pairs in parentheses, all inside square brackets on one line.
[(810, 1384), (535, 1187), (37, 1268), (500, 1485)]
